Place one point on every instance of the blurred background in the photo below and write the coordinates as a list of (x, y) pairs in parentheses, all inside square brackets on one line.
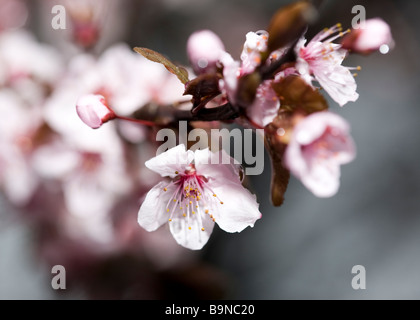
[(302, 250)]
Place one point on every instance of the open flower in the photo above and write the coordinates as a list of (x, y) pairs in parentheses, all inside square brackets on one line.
[(202, 191), (322, 59), (319, 144)]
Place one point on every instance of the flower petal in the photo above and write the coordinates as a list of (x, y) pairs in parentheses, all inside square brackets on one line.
[(215, 165), (171, 161), (194, 238), (152, 213), (338, 82), (239, 209), (265, 106), (322, 179)]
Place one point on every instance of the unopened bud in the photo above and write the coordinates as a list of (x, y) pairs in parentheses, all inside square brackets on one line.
[(93, 110), (204, 50), (375, 34)]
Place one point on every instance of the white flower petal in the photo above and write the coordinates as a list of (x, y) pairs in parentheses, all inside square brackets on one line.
[(152, 213), (215, 165), (322, 179), (194, 238), (171, 161), (239, 209)]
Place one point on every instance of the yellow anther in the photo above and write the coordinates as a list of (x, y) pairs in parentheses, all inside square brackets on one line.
[(354, 74), (174, 200), (359, 68), (170, 220), (176, 172), (221, 202), (339, 25), (193, 212), (206, 211), (189, 228), (202, 229), (184, 215), (165, 189), (167, 210), (190, 202), (214, 195)]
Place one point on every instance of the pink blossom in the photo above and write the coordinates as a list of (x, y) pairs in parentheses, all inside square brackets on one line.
[(93, 110), (369, 37), (321, 60), (28, 74), (13, 14), (200, 194), (265, 106), (18, 125), (204, 49), (320, 143)]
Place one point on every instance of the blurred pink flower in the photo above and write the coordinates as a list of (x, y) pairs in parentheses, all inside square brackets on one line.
[(368, 38), (93, 111), (191, 203), (18, 125), (30, 75), (321, 60), (13, 14), (204, 50), (320, 143)]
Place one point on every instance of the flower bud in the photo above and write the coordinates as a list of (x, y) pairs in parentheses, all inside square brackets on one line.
[(93, 111), (204, 50), (374, 35)]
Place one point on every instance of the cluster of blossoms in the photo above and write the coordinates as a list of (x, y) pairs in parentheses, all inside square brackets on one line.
[(274, 86), (93, 180)]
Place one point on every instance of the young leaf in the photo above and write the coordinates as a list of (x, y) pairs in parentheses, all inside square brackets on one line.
[(154, 56)]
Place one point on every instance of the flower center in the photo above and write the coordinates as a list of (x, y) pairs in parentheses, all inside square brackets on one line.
[(192, 197)]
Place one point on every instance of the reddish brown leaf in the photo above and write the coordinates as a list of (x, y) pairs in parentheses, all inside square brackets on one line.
[(154, 56), (202, 86), (294, 93)]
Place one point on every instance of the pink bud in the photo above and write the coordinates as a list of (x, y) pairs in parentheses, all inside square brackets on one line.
[(204, 49), (93, 111), (372, 36)]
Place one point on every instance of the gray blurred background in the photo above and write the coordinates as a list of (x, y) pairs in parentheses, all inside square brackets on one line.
[(306, 248)]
